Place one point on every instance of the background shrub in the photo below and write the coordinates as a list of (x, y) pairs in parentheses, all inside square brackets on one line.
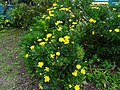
[(4, 23), (102, 36), (23, 14)]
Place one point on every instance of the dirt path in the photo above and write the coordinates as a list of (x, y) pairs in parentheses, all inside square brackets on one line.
[(13, 75)]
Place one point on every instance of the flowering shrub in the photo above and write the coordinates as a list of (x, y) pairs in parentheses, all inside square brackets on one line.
[(52, 50), (102, 32)]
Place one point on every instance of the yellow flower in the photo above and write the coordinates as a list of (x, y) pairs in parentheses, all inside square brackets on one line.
[(48, 17), (70, 11), (72, 42), (46, 39), (72, 15), (70, 86), (67, 9), (93, 32), (73, 26), (52, 11), (110, 30), (117, 30), (74, 73), (52, 15), (54, 7), (74, 23), (54, 4), (7, 21), (48, 9), (40, 87), (67, 37), (52, 55), (62, 9), (32, 47), (43, 16), (119, 15), (26, 55), (42, 43), (104, 22), (47, 79), (39, 40), (46, 69), (58, 22), (53, 36), (40, 64), (70, 20), (58, 53), (61, 5), (49, 35), (83, 71), (66, 41), (41, 74), (77, 87), (92, 20), (71, 29), (59, 28), (78, 66), (61, 39), (95, 7), (114, 9), (49, 12)]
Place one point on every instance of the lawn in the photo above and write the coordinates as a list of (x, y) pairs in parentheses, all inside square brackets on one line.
[(13, 75)]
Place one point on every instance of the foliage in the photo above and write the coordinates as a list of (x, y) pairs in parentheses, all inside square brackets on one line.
[(70, 39), (106, 75), (4, 23), (23, 15), (102, 32), (52, 52)]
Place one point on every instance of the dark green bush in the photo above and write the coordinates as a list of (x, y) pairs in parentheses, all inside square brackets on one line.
[(102, 32), (23, 15)]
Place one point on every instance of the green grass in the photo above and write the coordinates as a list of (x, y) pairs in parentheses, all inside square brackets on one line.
[(9, 58)]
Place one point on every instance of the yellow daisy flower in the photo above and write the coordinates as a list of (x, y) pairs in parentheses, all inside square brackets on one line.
[(49, 35), (32, 47), (54, 4), (42, 43), (46, 69), (77, 87), (52, 55), (47, 79), (117, 30), (70, 86), (26, 55), (83, 71), (40, 64), (74, 73), (92, 20), (78, 66), (61, 39), (58, 53)]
